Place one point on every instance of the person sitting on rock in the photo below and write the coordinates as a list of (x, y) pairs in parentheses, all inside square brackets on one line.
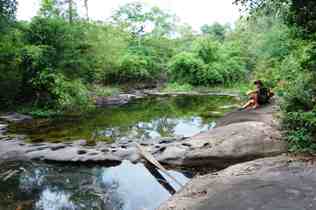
[(260, 96)]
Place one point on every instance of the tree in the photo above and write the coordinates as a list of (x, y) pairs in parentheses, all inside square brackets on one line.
[(216, 30), (49, 8), (86, 6), (299, 12), (7, 12), (139, 19)]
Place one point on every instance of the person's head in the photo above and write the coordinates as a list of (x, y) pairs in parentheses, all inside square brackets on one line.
[(258, 83)]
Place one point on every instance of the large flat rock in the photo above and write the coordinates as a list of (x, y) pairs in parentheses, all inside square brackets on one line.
[(276, 183), (226, 145), (240, 136)]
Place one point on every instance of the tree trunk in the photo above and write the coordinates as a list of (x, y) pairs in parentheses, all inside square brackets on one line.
[(70, 10), (86, 6)]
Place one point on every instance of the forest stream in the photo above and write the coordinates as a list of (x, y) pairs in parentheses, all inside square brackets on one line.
[(43, 186)]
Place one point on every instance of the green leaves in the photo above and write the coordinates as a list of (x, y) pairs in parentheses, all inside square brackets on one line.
[(186, 67), (140, 19), (7, 13), (133, 67)]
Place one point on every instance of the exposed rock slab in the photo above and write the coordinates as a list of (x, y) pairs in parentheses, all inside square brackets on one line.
[(64, 152), (232, 142), (263, 114), (271, 183), (14, 117), (190, 93), (225, 145)]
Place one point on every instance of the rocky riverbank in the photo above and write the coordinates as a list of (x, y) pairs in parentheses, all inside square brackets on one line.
[(125, 98), (229, 143), (271, 183)]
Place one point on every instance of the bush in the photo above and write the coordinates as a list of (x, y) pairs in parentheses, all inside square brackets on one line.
[(299, 113), (212, 74), (175, 87), (133, 67), (207, 49), (70, 95), (301, 141), (104, 91), (10, 73), (186, 68), (299, 94)]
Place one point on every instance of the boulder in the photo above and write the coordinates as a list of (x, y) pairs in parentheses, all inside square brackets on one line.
[(15, 118), (225, 145), (271, 183)]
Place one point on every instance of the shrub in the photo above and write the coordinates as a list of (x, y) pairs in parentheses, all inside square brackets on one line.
[(212, 74), (299, 94), (207, 49), (299, 113), (70, 95), (301, 141), (186, 68), (175, 87), (133, 67)]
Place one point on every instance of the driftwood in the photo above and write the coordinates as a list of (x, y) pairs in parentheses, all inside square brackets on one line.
[(7, 175), (150, 158)]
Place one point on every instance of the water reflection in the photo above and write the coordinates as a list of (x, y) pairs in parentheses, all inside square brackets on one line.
[(143, 119), (47, 187)]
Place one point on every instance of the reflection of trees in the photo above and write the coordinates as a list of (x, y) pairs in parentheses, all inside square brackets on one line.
[(165, 126), (126, 118), (60, 187)]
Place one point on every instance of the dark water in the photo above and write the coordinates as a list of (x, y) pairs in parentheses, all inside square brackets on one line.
[(40, 186), (140, 120)]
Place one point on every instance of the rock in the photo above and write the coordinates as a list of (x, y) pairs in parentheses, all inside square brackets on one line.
[(15, 118), (80, 142), (120, 99), (172, 154), (264, 114), (226, 145), (232, 142), (270, 183), (3, 128)]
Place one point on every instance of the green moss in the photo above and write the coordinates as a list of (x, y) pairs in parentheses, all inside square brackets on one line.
[(105, 139)]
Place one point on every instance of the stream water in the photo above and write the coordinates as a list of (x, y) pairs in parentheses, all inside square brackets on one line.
[(149, 118), (42, 186)]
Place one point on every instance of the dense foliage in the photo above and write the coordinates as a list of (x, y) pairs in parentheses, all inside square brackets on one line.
[(295, 71), (58, 60), (45, 60)]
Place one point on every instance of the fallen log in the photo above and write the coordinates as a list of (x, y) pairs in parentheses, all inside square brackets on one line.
[(150, 158)]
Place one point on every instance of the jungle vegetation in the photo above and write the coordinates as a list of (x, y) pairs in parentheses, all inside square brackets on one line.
[(60, 58)]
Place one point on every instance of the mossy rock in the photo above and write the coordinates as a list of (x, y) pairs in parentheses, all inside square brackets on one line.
[(213, 114), (91, 143), (105, 139)]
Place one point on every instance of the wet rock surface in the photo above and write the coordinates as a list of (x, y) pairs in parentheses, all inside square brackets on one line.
[(225, 146), (270, 183), (233, 141), (13, 117), (125, 98)]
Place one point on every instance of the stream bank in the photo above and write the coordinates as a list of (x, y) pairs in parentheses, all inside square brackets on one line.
[(239, 136)]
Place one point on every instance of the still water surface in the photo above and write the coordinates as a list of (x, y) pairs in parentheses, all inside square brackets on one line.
[(149, 118), (40, 186)]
